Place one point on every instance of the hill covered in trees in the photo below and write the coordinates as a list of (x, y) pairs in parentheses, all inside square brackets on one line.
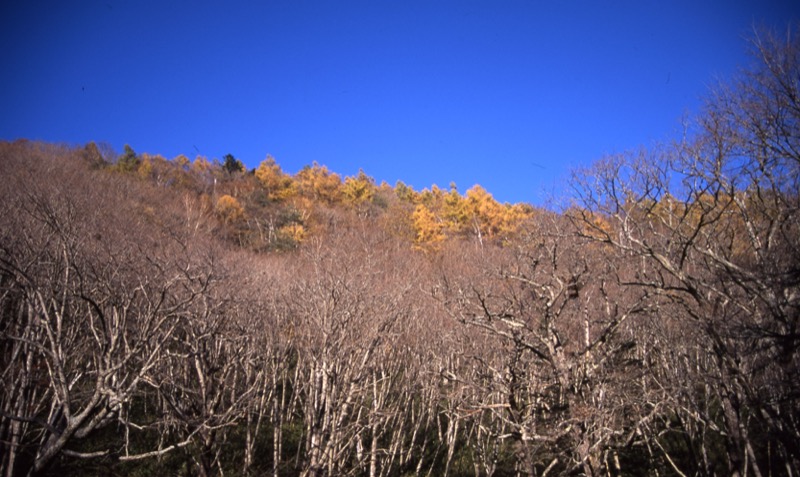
[(191, 317), (267, 209)]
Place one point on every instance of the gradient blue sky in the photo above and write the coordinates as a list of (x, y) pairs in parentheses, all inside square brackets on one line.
[(508, 94)]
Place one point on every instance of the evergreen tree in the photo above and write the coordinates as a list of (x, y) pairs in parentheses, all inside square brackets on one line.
[(231, 164), (128, 161)]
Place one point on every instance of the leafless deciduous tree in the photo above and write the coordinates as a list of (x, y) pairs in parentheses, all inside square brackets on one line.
[(552, 370), (714, 225), (89, 300)]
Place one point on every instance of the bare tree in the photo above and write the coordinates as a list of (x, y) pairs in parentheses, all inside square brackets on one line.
[(346, 321), (90, 300), (714, 225), (552, 371)]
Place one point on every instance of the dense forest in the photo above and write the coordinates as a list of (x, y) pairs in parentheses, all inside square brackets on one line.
[(193, 317)]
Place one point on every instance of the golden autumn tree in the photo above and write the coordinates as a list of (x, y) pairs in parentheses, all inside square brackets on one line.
[(405, 192), (455, 211), (359, 189), (229, 209), (432, 198), (317, 183), (293, 231), (486, 214), (514, 215), (278, 185), (429, 231), (155, 167)]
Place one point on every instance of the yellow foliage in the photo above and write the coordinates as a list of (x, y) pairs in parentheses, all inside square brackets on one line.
[(405, 193), (428, 230), (294, 231), (319, 184), (359, 189), (455, 211), (278, 185), (513, 218), (201, 164), (229, 209), (155, 167), (486, 213), (432, 199)]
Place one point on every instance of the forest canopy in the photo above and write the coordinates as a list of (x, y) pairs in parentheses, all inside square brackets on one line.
[(179, 316)]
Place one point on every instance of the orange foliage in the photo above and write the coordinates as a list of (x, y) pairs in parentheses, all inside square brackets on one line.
[(429, 231)]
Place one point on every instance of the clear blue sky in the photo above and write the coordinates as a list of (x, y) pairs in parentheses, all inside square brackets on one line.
[(508, 94)]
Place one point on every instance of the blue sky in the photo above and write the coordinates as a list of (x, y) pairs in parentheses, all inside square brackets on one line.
[(507, 94)]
